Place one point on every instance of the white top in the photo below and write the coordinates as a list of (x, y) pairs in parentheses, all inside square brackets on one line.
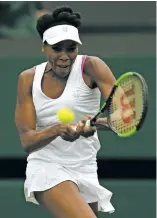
[(76, 96)]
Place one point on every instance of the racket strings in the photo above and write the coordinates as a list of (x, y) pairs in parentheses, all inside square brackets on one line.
[(127, 105)]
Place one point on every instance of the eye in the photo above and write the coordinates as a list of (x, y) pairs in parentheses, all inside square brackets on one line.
[(57, 48), (72, 49)]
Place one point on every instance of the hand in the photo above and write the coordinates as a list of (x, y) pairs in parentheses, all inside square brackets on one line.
[(85, 131), (69, 132)]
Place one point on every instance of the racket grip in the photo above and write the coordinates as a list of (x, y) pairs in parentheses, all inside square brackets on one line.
[(87, 123)]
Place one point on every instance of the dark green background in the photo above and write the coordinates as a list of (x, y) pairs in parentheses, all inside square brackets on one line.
[(139, 145), (111, 29), (131, 199)]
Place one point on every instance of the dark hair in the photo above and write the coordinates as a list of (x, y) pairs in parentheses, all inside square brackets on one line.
[(61, 15)]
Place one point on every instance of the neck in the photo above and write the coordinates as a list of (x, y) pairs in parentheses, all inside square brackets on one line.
[(53, 74), (48, 68)]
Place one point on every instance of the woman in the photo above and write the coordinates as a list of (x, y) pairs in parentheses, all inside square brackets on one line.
[(61, 172)]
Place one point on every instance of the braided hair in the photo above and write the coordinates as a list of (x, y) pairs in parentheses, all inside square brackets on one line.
[(61, 15)]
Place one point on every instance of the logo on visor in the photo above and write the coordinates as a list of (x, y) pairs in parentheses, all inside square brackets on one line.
[(65, 29)]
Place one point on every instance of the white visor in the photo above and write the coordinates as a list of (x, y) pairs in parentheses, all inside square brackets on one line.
[(59, 33)]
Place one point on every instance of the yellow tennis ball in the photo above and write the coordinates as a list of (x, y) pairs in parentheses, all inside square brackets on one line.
[(65, 115)]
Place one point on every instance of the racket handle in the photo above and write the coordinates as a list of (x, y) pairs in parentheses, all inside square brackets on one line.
[(87, 123)]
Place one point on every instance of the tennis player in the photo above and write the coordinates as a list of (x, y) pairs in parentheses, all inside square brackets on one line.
[(61, 172)]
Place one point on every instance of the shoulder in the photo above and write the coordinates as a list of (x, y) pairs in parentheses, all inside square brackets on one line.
[(25, 80), (92, 59), (92, 63), (27, 75), (89, 62)]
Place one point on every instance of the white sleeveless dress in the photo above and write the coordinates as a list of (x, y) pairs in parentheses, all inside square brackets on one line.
[(61, 160)]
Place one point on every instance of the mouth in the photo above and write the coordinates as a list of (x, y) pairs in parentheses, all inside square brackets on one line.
[(63, 66)]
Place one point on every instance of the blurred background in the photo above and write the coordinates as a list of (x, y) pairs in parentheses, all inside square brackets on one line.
[(123, 34)]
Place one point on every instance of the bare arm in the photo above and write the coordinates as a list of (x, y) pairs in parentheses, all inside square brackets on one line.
[(104, 79), (25, 117), (102, 76)]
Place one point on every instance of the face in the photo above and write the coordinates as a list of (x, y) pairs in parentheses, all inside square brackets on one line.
[(61, 56)]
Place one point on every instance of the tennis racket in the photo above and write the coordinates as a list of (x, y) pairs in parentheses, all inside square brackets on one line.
[(126, 107)]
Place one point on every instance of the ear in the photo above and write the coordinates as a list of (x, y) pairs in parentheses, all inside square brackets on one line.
[(42, 48)]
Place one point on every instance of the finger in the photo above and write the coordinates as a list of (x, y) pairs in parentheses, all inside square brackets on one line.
[(88, 134), (80, 127), (87, 117), (88, 129), (72, 128), (69, 138), (84, 120), (76, 131)]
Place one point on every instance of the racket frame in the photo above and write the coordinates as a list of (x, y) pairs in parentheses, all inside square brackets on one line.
[(107, 104)]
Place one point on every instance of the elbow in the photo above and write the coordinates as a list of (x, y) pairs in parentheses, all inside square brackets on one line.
[(27, 147), (28, 142)]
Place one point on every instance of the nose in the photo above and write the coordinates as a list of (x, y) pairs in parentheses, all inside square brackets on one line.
[(64, 57)]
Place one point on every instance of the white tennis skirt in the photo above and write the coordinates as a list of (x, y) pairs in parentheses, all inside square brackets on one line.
[(41, 176)]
